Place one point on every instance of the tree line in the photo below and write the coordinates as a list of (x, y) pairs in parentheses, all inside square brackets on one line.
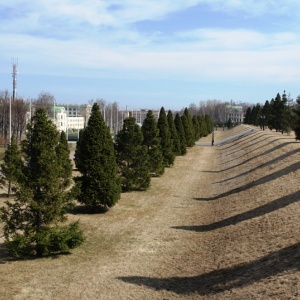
[(39, 172), (280, 113)]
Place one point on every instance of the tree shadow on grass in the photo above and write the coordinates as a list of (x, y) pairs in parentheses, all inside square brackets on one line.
[(267, 163), (226, 279), (262, 180), (5, 257), (235, 145), (86, 210), (253, 213)]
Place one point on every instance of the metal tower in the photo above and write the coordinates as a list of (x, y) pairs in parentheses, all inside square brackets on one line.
[(14, 75)]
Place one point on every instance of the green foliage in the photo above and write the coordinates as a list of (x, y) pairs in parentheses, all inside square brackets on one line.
[(188, 128), (229, 123), (152, 142), (99, 184), (209, 123), (174, 135), (48, 240), (11, 166), (65, 164), (278, 113), (132, 157), (255, 115), (247, 116), (196, 126), (32, 220), (296, 111), (203, 127), (181, 134), (165, 138)]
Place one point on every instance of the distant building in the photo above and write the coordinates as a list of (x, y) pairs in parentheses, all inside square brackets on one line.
[(235, 113), (77, 111), (60, 118), (139, 115), (71, 118)]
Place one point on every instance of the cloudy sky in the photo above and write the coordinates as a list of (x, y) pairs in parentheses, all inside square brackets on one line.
[(151, 53)]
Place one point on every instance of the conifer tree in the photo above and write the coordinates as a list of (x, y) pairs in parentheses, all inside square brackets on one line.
[(152, 141), (247, 116), (11, 166), (65, 164), (132, 157), (181, 134), (188, 128), (209, 123), (98, 185), (174, 135), (196, 126), (33, 222), (203, 126), (229, 123), (277, 113), (165, 138), (297, 118), (79, 152)]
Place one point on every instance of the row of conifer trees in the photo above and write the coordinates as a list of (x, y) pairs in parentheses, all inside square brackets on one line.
[(40, 173)]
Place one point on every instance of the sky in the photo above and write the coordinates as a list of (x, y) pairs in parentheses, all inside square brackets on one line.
[(151, 53)]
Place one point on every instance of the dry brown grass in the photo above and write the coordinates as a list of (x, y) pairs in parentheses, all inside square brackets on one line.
[(222, 223)]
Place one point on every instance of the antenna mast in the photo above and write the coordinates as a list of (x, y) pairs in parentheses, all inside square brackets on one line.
[(14, 75)]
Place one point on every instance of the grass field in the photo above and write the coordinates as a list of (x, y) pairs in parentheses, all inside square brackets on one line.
[(222, 223)]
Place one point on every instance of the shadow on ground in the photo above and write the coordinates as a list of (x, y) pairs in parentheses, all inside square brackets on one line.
[(263, 180), (266, 164), (253, 213), (222, 280)]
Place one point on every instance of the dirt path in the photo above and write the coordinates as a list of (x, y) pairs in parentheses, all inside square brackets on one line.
[(222, 223)]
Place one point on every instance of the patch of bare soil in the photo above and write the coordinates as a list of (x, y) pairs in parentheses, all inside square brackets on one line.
[(222, 223)]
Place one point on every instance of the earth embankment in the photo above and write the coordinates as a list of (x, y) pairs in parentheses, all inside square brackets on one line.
[(222, 223)]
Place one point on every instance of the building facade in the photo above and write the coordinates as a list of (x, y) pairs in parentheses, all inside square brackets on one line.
[(235, 113)]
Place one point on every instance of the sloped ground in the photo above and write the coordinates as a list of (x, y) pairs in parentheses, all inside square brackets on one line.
[(222, 223)]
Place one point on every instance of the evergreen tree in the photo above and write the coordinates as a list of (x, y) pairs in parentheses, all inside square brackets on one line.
[(247, 116), (277, 113), (203, 127), (33, 222), (188, 128), (65, 163), (132, 157), (229, 123), (265, 114), (152, 141), (296, 112), (98, 185), (287, 114), (181, 134), (196, 126), (255, 115), (209, 123), (165, 138), (11, 166), (79, 152), (174, 135)]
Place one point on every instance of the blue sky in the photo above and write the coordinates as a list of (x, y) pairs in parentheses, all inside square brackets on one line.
[(151, 53)]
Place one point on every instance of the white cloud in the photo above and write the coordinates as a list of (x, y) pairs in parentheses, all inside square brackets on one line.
[(95, 38)]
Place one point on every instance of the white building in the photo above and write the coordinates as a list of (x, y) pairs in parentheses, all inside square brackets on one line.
[(139, 115), (235, 113), (71, 121)]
